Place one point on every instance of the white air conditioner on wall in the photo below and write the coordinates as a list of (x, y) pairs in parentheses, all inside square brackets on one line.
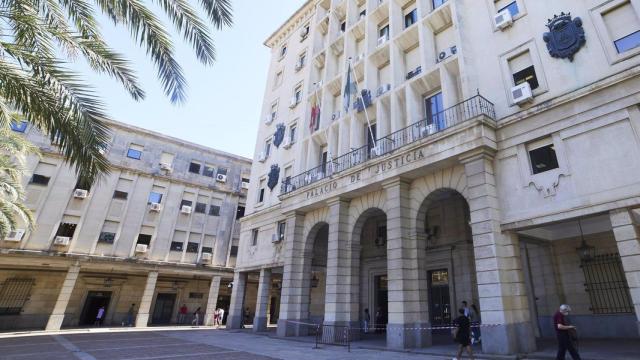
[(293, 103), (262, 157), (268, 119), (221, 178), (80, 193), (447, 53), (206, 257), (155, 207), (245, 185), (165, 167), (299, 65), (15, 235), (522, 94), (286, 143), (185, 209), (304, 32), (61, 241), (275, 238), (142, 248), (503, 19), (382, 40)]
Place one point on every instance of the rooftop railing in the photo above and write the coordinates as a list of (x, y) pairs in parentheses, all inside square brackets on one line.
[(457, 114)]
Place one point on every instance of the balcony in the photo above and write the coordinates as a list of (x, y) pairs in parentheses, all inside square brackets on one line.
[(448, 118)]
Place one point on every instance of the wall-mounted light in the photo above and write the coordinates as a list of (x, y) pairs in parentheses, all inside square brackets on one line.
[(230, 285), (315, 281), (585, 251)]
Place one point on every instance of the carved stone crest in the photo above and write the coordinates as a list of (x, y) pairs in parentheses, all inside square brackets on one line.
[(279, 135), (565, 37), (274, 175)]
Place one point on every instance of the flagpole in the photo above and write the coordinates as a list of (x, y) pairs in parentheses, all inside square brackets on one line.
[(366, 114)]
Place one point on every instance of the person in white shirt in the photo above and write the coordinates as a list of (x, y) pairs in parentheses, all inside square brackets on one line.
[(100, 316), (220, 316)]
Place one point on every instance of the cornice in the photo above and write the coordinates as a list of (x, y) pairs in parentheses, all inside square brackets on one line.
[(291, 24)]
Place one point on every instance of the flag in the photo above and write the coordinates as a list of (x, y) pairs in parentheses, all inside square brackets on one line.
[(350, 90), (314, 122)]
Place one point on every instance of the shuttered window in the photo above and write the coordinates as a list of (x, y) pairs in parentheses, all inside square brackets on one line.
[(14, 293)]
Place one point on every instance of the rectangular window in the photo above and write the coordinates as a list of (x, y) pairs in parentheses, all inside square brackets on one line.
[(302, 59), (194, 168), (66, 230), (513, 9), (384, 32), (278, 80), (283, 51), (254, 237), (208, 171), (192, 247), (343, 26), (176, 246), (411, 18), (144, 239), (434, 108), (201, 208), (120, 195), (234, 251), (83, 184), (274, 111), (522, 69), (222, 171), (214, 210), (206, 249), (282, 225), (186, 203), (155, 197), (40, 179), (623, 26), (19, 126), (267, 147), (606, 285), (14, 294), (135, 151), (166, 158), (543, 157), (240, 212), (297, 94), (292, 133), (323, 159), (261, 191), (628, 42), (437, 3), (106, 237)]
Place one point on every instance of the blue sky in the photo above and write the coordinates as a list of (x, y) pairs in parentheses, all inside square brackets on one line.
[(224, 100)]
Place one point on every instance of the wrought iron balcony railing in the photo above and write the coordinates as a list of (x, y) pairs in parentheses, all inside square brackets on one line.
[(459, 113)]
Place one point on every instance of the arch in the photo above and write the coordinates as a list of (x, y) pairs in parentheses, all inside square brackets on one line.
[(358, 206)]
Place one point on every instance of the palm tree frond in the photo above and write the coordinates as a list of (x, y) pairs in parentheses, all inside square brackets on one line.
[(219, 12)]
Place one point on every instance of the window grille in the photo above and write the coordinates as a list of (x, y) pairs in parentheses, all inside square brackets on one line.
[(14, 293), (606, 285)]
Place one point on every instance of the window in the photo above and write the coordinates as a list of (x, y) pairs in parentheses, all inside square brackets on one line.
[(543, 158), (304, 32), (606, 285), (254, 237), (83, 184), (274, 111), (623, 26), (214, 210), (240, 212), (222, 171), (522, 70), (233, 251), (434, 108), (267, 147), (410, 18), (19, 126), (192, 247), (14, 293), (343, 26), (628, 42), (206, 249), (261, 191), (302, 61), (194, 168), (363, 13), (66, 230), (176, 246), (167, 158), (201, 208), (154, 197), (208, 170), (281, 230), (513, 9), (297, 93), (186, 203), (278, 80), (384, 32), (106, 237), (120, 195), (40, 179), (283, 51), (437, 3), (324, 154), (292, 133), (144, 239), (135, 151)]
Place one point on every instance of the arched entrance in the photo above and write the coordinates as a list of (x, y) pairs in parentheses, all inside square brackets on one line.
[(319, 240), (443, 224)]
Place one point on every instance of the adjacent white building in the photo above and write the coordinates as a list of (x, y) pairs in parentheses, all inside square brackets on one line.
[(491, 157)]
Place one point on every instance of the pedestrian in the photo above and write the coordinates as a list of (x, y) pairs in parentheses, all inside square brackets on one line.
[(378, 324), (566, 333), (474, 316), (216, 313), (246, 317), (130, 315), (196, 317), (462, 334), (367, 319), (100, 316), (182, 313), (465, 307), (221, 317)]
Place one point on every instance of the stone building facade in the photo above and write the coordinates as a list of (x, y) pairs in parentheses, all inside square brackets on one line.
[(490, 157), (159, 231)]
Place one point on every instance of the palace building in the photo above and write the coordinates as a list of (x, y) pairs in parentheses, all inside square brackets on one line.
[(159, 231), (414, 154)]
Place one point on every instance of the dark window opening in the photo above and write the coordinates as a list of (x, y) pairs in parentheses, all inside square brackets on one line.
[(194, 168), (106, 237), (40, 179), (214, 210), (176, 246), (206, 249), (234, 251), (261, 195), (384, 32), (186, 203), (201, 208), (208, 171), (222, 171), (240, 212), (513, 9), (543, 159), (192, 247), (411, 18), (363, 13), (66, 229), (283, 51), (122, 195), (134, 154), (282, 225), (434, 108), (144, 239), (254, 237), (438, 3), (155, 197), (83, 184), (528, 75), (343, 26), (19, 126), (628, 42)]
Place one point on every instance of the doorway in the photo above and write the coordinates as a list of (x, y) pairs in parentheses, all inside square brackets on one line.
[(163, 311), (223, 303), (439, 300), (93, 302), (381, 302)]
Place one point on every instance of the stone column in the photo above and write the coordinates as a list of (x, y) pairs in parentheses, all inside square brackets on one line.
[(408, 312), (627, 234), (260, 320), (501, 285), (296, 279), (342, 290), (236, 316), (212, 300), (142, 319), (57, 316)]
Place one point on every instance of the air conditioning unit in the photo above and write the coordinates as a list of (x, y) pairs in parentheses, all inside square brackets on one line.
[(503, 19), (383, 89), (376, 151), (15, 235), (268, 119), (521, 94), (299, 65), (155, 207), (275, 238), (304, 32), (80, 193), (206, 257), (446, 53), (428, 130), (142, 248), (286, 143), (61, 241), (165, 167), (335, 115), (185, 209), (262, 157), (382, 40), (293, 103), (245, 185), (221, 178)]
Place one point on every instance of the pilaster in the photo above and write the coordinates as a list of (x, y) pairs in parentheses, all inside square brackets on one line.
[(260, 321), (236, 316), (142, 319), (212, 300), (57, 316)]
